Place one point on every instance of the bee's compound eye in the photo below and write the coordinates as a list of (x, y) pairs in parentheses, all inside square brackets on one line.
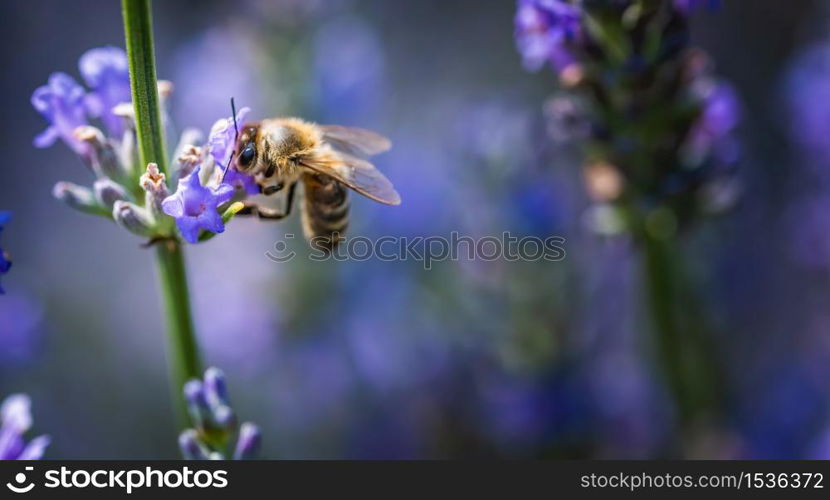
[(247, 156)]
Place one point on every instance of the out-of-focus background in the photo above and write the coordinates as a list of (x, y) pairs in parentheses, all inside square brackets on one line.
[(385, 359)]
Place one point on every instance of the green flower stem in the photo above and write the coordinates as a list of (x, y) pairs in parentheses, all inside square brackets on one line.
[(138, 28), (183, 352), (681, 344)]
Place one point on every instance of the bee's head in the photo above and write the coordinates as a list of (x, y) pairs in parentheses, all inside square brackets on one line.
[(246, 147)]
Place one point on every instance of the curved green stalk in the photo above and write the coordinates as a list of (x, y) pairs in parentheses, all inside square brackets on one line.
[(683, 350), (183, 352)]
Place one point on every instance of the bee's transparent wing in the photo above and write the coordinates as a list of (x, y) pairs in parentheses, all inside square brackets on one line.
[(355, 141), (356, 173)]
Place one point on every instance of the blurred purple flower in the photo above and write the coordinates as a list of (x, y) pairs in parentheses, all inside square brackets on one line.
[(808, 95), (293, 13), (808, 220), (543, 30), (5, 260), (511, 410), (820, 449), (349, 70), (62, 102), (106, 72), (195, 207), (713, 134), (241, 75), (220, 145), (15, 420), (215, 422), (21, 329), (686, 6)]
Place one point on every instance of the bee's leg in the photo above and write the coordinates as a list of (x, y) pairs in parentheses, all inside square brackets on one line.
[(251, 208)]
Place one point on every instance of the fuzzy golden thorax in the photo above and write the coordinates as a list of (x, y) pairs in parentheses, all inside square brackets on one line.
[(271, 151)]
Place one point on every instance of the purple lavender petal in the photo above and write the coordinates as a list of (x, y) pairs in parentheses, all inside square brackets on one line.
[(62, 102), (195, 207), (15, 413), (543, 30), (35, 449), (221, 145), (221, 139), (15, 420), (11, 444), (106, 72)]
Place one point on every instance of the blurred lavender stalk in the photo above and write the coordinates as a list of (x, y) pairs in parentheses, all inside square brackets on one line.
[(657, 129)]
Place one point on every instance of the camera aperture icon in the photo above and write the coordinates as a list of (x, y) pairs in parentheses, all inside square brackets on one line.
[(20, 478)]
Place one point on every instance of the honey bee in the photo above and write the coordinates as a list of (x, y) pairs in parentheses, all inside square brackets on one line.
[(280, 153)]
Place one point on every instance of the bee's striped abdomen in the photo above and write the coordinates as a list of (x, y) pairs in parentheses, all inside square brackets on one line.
[(325, 211)]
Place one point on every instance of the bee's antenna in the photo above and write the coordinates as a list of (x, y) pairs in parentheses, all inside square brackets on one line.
[(235, 126), (235, 139)]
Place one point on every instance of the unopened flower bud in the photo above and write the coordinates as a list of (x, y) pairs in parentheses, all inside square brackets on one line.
[(165, 88), (154, 183), (216, 389), (107, 192), (133, 218), (190, 158), (197, 405), (186, 153), (191, 447), (78, 197), (104, 159), (249, 443), (124, 110)]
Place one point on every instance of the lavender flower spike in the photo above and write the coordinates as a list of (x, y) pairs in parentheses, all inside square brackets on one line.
[(215, 422), (195, 207), (5, 260), (15, 420), (62, 103), (106, 72)]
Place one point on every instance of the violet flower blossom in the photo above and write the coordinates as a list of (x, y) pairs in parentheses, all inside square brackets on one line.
[(544, 28), (15, 420), (203, 202), (106, 72), (195, 207), (62, 102), (221, 145)]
